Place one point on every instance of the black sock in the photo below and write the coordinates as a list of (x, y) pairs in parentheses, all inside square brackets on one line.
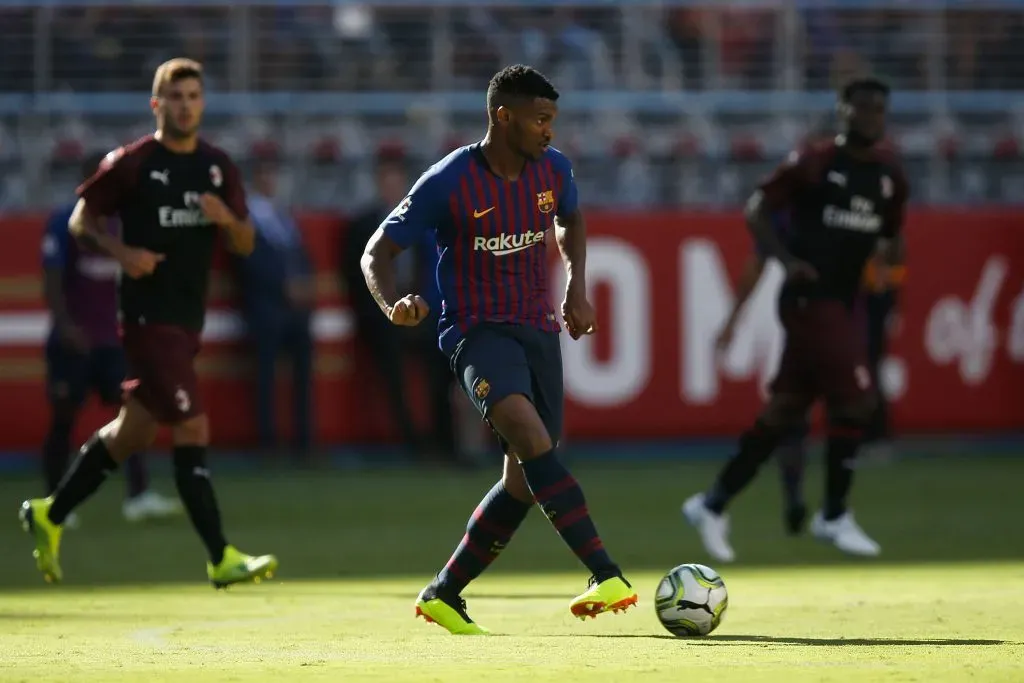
[(57, 449), (791, 458), (561, 498), (843, 442), (196, 492), (489, 530), (756, 446), (90, 469), (136, 476)]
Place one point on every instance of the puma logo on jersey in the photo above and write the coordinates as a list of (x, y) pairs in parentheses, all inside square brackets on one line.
[(163, 176), (508, 244)]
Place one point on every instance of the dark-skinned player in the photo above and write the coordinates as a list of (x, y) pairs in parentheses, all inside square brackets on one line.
[(489, 207), (846, 198)]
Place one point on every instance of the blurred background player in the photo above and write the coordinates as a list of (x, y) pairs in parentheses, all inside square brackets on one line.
[(83, 355), (393, 347), (174, 195), (846, 199), (877, 306), (488, 206), (791, 454), (278, 296)]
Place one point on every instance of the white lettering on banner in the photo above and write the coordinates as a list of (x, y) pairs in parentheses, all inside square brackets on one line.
[(705, 298), (964, 331), (1015, 344), (620, 379)]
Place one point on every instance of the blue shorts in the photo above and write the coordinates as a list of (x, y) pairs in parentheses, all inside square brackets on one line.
[(496, 360), (70, 376)]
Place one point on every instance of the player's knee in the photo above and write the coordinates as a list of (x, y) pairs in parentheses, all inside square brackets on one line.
[(516, 419), (855, 413), (785, 413), (63, 414), (514, 479), (189, 462), (133, 430), (194, 431)]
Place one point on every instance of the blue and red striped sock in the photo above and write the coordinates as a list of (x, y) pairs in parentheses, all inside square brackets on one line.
[(560, 497), (490, 529)]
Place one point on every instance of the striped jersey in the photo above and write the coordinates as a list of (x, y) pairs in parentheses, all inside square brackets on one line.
[(490, 234)]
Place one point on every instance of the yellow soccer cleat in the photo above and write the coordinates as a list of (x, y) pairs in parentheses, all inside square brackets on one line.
[(611, 595), (35, 519), (237, 567), (448, 612)]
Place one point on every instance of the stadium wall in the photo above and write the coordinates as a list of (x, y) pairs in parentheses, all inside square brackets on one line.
[(662, 283)]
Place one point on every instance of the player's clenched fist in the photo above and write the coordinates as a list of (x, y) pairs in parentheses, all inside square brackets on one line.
[(409, 310), (138, 263), (215, 209), (579, 316)]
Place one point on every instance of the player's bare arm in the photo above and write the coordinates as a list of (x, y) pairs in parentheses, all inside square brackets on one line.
[(378, 268), (571, 237), (239, 234), (759, 223), (892, 250), (84, 227), (751, 275)]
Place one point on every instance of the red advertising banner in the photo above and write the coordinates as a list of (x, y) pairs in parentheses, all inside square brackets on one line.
[(662, 283)]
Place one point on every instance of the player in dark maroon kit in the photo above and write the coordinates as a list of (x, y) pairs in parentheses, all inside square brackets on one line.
[(173, 194), (847, 198)]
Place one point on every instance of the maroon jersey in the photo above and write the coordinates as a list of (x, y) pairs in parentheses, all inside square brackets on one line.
[(155, 192), (840, 206)]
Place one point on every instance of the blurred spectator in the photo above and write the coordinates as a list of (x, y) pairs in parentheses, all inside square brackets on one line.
[(320, 46), (278, 296), (392, 347)]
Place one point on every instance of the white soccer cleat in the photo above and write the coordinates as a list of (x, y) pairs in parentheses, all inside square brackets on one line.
[(713, 528), (150, 505), (845, 534)]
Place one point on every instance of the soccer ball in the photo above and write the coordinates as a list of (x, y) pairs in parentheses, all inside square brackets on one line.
[(691, 600)]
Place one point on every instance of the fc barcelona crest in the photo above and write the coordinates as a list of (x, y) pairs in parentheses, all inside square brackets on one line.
[(216, 177), (481, 389), (545, 201)]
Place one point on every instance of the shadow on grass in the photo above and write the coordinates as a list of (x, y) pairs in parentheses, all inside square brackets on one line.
[(711, 641)]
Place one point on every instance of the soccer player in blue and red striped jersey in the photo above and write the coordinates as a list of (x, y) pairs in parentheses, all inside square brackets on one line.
[(489, 207)]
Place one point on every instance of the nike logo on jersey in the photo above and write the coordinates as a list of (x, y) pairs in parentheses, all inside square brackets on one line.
[(481, 214)]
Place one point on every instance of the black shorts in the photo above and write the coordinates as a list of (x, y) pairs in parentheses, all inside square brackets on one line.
[(496, 360), (71, 376)]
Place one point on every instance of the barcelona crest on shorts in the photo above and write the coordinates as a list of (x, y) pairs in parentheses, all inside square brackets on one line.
[(482, 389), (545, 201)]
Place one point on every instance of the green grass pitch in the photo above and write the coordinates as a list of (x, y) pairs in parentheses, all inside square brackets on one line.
[(945, 603)]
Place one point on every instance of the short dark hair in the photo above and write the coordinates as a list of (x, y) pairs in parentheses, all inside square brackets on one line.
[(518, 82), (861, 84), (174, 70)]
